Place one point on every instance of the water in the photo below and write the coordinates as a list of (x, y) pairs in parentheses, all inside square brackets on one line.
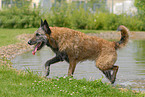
[(131, 62)]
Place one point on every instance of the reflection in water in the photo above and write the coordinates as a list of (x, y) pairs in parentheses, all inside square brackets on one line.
[(131, 60), (140, 55)]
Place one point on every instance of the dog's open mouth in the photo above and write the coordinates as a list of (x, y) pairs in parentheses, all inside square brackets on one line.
[(37, 47)]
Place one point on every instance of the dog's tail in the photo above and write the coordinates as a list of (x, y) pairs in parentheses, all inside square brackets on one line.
[(124, 37)]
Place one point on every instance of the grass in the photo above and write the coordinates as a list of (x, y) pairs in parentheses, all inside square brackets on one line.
[(16, 83), (26, 84), (8, 36)]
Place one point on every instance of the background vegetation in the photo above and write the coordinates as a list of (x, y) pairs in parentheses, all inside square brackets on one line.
[(140, 4), (68, 16), (16, 3)]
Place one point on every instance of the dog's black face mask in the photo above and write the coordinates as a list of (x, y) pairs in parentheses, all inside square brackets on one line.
[(40, 39)]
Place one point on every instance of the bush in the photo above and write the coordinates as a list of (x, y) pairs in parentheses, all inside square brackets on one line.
[(19, 18), (68, 16)]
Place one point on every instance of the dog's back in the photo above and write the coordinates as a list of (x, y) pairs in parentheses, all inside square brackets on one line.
[(80, 46)]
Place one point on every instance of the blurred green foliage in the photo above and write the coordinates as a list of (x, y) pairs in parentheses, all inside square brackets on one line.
[(140, 4), (19, 18), (68, 16), (16, 3)]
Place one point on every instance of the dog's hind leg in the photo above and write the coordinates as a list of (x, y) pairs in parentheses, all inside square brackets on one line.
[(51, 61), (105, 63), (107, 73), (113, 76)]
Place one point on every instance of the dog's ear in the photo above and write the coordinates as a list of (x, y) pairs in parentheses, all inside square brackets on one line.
[(46, 27), (41, 23)]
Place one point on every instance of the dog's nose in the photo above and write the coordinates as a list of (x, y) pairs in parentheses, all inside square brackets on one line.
[(29, 42)]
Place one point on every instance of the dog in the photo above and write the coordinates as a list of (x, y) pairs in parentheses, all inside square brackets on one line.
[(74, 47)]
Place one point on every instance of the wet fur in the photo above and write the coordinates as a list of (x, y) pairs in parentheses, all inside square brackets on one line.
[(74, 47)]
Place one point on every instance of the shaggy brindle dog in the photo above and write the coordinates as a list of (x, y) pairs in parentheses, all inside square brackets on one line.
[(74, 47)]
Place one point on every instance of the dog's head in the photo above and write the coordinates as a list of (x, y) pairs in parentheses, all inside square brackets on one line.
[(40, 37)]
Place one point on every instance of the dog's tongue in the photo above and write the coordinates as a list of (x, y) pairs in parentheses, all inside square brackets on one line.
[(34, 51)]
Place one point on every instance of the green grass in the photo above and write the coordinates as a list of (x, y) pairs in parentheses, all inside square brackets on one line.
[(21, 84), (14, 83), (8, 36)]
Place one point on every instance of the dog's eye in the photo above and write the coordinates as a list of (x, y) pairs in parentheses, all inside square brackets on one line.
[(37, 34)]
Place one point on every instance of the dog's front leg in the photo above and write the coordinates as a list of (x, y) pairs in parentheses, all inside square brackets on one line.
[(72, 66), (51, 61)]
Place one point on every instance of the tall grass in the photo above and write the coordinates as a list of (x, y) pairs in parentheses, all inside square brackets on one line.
[(69, 16)]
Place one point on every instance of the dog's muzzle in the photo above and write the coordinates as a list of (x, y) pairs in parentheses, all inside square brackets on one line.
[(31, 42)]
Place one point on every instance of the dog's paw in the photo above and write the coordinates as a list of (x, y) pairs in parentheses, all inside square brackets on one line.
[(47, 70)]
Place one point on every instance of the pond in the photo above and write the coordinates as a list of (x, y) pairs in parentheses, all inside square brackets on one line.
[(131, 62)]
